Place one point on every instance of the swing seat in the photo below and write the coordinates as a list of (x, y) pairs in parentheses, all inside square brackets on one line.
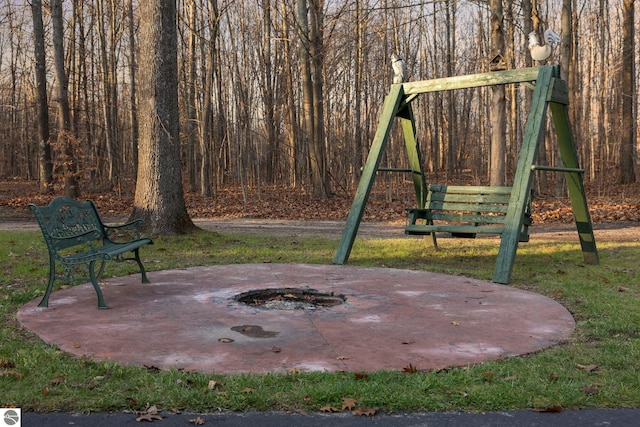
[(464, 211)]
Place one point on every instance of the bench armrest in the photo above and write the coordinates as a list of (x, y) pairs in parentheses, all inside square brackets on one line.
[(131, 226)]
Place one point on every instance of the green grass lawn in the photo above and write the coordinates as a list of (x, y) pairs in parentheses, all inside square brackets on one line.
[(596, 368)]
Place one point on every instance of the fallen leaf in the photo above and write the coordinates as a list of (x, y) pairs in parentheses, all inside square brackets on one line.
[(590, 389), (408, 342), (276, 349), (462, 393), (46, 391), (225, 340), (554, 377), (148, 417), (410, 369), (553, 408), (10, 373), (58, 380), (7, 364), (488, 375), (588, 368), (295, 371), (213, 384), (342, 358), (364, 412), (360, 375), (152, 368), (454, 323), (75, 345), (329, 409), (511, 378), (248, 390), (197, 421), (348, 403)]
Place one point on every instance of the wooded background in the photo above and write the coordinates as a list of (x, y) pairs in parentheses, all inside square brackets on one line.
[(287, 93)]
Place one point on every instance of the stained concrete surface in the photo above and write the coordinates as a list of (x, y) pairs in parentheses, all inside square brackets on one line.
[(188, 319)]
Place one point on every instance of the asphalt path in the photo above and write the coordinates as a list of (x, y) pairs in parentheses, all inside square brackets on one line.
[(574, 418)]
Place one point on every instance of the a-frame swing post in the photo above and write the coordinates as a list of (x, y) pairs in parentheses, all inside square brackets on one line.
[(575, 185), (389, 110), (522, 181), (550, 91), (408, 124)]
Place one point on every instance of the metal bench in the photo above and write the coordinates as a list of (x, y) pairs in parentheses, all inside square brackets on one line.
[(464, 211), (75, 235)]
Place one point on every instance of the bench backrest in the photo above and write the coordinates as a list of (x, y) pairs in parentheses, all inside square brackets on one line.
[(68, 219), (468, 204)]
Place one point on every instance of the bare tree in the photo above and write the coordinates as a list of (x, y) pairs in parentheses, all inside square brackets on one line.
[(45, 164), (310, 21), (159, 198), (628, 155), (107, 38), (497, 112), (65, 139), (133, 108), (566, 71), (190, 97)]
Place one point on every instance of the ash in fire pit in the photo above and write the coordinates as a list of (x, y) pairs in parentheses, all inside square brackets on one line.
[(290, 299)]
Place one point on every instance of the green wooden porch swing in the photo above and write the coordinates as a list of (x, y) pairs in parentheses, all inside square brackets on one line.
[(467, 210)]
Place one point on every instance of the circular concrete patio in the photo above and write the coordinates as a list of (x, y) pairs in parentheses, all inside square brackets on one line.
[(188, 319)]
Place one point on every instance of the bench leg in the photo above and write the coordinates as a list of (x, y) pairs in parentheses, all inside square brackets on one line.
[(52, 277), (101, 270), (94, 282), (142, 270)]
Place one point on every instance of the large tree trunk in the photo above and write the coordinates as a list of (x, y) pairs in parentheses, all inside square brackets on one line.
[(45, 165), (497, 113), (65, 139), (628, 141), (159, 198)]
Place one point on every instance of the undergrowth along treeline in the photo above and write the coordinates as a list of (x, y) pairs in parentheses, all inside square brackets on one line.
[(386, 203)]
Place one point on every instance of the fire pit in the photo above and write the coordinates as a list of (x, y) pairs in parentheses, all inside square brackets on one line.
[(290, 299)]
